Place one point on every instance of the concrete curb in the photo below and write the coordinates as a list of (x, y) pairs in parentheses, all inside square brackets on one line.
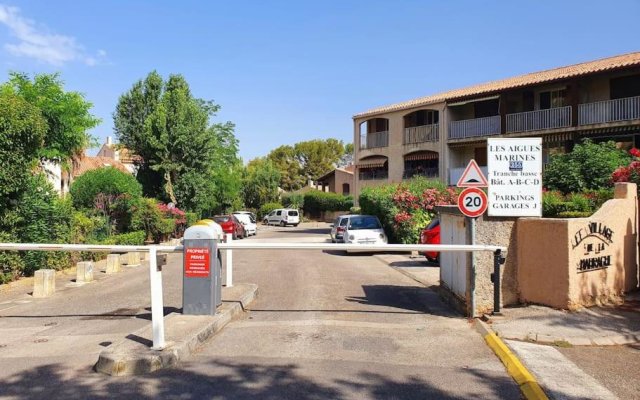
[(611, 340), (527, 382), (184, 334)]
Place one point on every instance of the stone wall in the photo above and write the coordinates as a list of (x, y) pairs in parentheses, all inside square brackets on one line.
[(573, 263)]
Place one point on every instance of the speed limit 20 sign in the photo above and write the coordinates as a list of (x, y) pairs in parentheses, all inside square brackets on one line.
[(472, 202)]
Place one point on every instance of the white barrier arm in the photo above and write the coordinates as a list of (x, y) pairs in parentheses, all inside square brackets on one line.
[(86, 247), (363, 247)]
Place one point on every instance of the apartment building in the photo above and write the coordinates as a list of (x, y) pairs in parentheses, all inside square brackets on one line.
[(436, 136)]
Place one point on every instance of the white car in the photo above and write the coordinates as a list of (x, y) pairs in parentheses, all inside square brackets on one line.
[(282, 217), (248, 222), (364, 229)]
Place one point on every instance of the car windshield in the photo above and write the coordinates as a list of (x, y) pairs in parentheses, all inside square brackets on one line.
[(364, 222), (293, 213), (243, 218), (221, 219), (344, 221)]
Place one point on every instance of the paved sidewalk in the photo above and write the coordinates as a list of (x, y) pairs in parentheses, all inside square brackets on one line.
[(595, 326), (600, 326)]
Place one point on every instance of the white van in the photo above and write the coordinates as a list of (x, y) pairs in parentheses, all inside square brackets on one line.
[(282, 217)]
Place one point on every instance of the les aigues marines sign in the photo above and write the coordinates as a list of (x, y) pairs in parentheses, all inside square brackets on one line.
[(594, 239)]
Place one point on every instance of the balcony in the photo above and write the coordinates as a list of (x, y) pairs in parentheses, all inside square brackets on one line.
[(539, 120), (374, 140), (477, 127), (421, 134), (609, 111)]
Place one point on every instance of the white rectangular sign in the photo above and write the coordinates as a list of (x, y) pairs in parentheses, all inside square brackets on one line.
[(515, 177)]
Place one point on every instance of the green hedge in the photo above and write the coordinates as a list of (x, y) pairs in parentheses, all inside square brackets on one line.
[(574, 205), (126, 239), (316, 202)]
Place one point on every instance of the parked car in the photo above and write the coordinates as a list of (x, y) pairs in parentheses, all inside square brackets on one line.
[(338, 227), (364, 229), (230, 224), (282, 217), (431, 235), (249, 213), (248, 222)]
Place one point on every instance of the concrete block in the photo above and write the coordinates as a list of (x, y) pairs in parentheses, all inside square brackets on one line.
[(133, 259), (84, 272), (44, 283), (144, 255), (113, 264)]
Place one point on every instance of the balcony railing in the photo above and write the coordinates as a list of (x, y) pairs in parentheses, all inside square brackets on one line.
[(426, 172), (609, 111), (371, 174), (474, 127), (538, 120), (421, 134), (374, 139)]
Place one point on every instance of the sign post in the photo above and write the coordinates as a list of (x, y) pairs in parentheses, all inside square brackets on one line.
[(515, 177)]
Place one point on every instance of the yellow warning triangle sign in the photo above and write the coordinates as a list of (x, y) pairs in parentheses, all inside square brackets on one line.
[(472, 176)]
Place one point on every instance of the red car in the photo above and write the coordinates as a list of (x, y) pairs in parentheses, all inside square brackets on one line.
[(431, 235), (230, 224)]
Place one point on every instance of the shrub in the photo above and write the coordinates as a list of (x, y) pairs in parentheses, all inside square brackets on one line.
[(267, 208), (110, 192), (316, 202), (574, 205), (135, 238), (39, 216), (588, 167), (355, 210), (404, 209), (191, 218), (11, 264), (293, 200), (148, 217)]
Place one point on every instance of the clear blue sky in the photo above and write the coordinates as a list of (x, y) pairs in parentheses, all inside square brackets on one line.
[(287, 71)]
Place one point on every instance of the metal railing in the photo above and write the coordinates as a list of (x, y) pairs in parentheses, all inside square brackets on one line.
[(374, 139), (476, 127), (609, 111), (421, 134), (559, 117), (372, 174)]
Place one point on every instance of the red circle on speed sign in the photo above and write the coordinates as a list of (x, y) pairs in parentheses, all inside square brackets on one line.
[(472, 202)]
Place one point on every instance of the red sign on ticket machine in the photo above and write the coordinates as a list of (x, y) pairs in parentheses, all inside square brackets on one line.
[(196, 262)]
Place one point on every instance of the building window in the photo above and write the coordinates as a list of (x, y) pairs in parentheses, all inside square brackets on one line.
[(369, 174), (552, 99), (345, 189)]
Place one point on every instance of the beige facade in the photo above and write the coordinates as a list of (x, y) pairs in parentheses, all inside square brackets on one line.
[(340, 181), (599, 100)]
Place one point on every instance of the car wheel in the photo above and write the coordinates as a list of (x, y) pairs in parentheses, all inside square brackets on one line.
[(282, 223), (295, 225), (234, 236)]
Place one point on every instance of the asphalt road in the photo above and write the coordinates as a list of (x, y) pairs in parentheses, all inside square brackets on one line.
[(325, 326)]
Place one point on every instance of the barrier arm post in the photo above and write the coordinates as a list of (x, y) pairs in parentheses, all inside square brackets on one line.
[(498, 260), (229, 262), (157, 306)]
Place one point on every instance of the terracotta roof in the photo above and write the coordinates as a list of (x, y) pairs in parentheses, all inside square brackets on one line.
[(571, 71), (86, 163), (347, 170)]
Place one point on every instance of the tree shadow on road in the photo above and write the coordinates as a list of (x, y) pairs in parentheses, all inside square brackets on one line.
[(414, 298), (238, 380)]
